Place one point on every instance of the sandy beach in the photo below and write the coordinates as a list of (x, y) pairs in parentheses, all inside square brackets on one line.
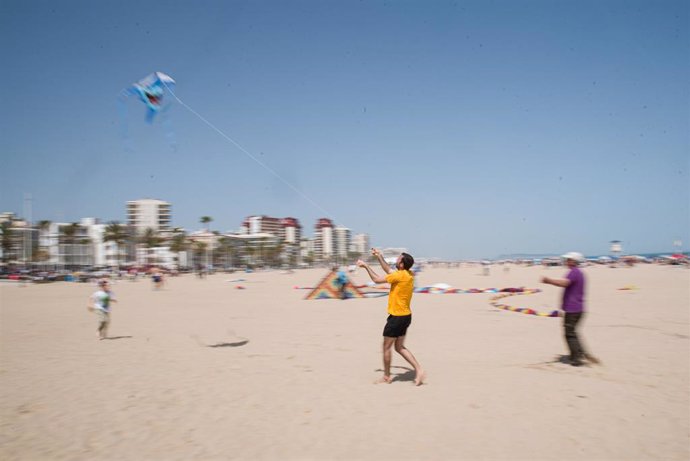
[(203, 370)]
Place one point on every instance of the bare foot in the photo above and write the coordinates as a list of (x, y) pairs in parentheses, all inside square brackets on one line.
[(384, 379), (419, 380)]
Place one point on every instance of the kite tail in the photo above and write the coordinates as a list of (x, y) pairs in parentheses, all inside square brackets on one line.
[(150, 114)]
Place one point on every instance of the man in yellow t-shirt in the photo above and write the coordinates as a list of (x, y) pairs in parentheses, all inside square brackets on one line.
[(399, 313)]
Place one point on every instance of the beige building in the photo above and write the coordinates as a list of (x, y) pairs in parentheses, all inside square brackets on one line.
[(324, 247), (149, 214), (341, 241), (361, 244)]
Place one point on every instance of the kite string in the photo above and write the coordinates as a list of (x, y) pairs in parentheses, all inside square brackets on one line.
[(236, 144)]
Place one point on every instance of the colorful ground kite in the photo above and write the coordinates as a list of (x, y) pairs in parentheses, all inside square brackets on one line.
[(331, 287)]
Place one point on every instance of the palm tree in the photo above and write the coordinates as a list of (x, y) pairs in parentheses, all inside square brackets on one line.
[(293, 254), (206, 220), (116, 232), (249, 252), (227, 248), (44, 225), (40, 255), (178, 244), (150, 239), (6, 228), (68, 237), (200, 249), (274, 253), (43, 254), (86, 243), (261, 251)]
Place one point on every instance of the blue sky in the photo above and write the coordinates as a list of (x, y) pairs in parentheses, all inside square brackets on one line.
[(456, 129)]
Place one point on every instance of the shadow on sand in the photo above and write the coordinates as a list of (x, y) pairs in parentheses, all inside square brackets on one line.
[(235, 344), (407, 375), (117, 337)]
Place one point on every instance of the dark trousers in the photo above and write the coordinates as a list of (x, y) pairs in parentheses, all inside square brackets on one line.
[(570, 326)]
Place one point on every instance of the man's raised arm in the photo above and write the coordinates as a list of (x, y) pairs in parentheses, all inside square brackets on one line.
[(384, 265)]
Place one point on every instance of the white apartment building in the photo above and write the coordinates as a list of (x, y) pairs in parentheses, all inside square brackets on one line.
[(286, 231), (292, 230), (324, 244), (264, 225), (24, 239), (306, 248), (361, 244), (149, 214), (80, 245), (341, 241), (160, 256)]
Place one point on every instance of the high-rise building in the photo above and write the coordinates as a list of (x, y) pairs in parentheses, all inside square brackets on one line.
[(263, 225), (287, 230), (284, 232), (292, 230), (361, 244), (149, 214), (342, 241), (72, 245), (324, 239)]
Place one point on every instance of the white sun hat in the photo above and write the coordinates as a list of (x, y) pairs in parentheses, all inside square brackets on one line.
[(575, 256)]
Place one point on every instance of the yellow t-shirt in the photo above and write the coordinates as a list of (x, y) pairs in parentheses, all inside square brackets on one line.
[(402, 286)]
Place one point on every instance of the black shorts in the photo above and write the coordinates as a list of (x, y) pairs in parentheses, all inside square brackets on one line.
[(396, 325)]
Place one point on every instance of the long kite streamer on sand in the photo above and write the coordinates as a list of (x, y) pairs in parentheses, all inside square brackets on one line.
[(245, 151), (446, 289), (523, 310), (504, 293)]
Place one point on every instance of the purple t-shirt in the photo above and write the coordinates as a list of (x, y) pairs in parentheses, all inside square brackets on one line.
[(574, 294)]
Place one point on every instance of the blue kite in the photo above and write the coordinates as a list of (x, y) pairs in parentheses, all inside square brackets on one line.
[(150, 91)]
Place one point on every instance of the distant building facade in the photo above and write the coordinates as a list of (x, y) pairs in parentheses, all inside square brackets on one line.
[(341, 241), (23, 239), (263, 225), (361, 244), (69, 245), (149, 214), (285, 233), (292, 230), (324, 239)]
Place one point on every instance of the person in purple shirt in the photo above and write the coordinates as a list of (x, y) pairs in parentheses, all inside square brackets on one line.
[(573, 306)]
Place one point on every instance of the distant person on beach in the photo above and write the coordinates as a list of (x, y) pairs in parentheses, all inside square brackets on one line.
[(100, 304), (157, 278), (573, 306), (399, 313)]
